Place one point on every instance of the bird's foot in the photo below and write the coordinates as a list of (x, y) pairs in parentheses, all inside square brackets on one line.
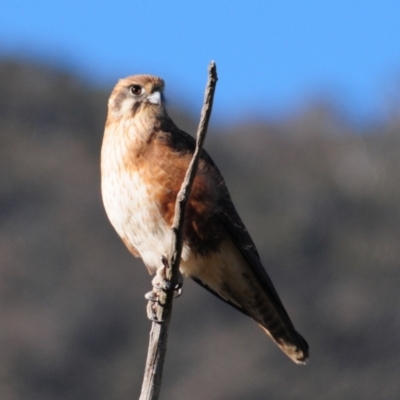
[(160, 283)]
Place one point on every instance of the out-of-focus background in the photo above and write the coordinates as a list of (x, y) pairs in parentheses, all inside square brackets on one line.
[(306, 130)]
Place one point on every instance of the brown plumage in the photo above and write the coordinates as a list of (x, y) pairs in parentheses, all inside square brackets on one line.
[(144, 159)]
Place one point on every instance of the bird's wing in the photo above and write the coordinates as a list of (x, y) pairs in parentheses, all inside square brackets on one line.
[(239, 235), (274, 319), (228, 217), (264, 304)]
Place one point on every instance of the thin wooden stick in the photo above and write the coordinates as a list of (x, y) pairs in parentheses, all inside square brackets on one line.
[(159, 331)]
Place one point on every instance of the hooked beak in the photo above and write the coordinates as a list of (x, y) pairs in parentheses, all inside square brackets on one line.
[(155, 98)]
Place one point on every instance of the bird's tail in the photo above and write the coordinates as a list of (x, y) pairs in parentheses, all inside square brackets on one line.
[(263, 304), (267, 310), (293, 344)]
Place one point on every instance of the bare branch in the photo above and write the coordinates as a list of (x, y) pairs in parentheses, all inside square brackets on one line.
[(159, 331)]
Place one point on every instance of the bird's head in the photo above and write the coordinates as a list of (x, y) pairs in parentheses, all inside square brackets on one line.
[(135, 94)]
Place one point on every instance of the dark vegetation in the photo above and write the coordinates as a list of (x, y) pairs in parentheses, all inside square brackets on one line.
[(321, 200)]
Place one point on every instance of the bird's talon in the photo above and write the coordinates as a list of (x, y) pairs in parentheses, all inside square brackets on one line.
[(178, 292), (167, 286)]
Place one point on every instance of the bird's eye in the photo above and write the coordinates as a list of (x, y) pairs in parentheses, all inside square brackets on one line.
[(136, 90)]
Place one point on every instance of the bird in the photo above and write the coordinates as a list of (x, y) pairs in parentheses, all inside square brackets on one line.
[(144, 158)]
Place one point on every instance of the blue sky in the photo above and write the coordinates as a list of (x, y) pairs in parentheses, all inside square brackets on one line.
[(272, 56)]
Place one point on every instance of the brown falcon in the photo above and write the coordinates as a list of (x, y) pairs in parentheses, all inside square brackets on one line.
[(144, 159)]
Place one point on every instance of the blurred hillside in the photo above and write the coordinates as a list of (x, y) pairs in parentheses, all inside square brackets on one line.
[(321, 201)]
